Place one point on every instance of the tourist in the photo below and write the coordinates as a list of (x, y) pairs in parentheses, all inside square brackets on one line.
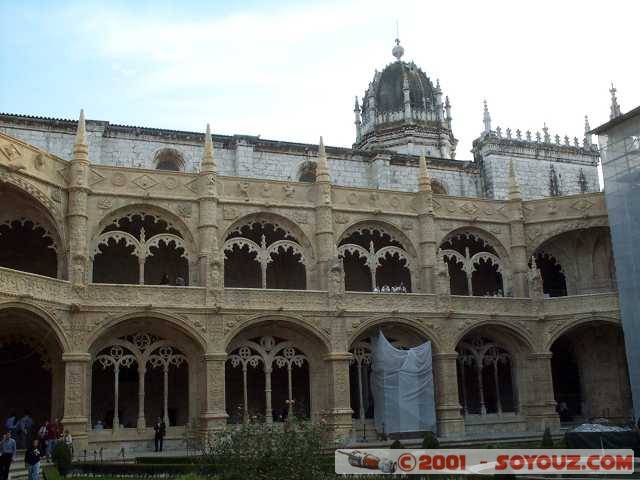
[(11, 424), (160, 429), (25, 425), (180, 281), (165, 279), (42, 438), (32, 461), (52, 437), (99, 426), (7, 453), (68, 441)]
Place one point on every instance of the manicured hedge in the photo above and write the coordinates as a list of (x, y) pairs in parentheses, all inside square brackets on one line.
[(169, 460), (137, 469)]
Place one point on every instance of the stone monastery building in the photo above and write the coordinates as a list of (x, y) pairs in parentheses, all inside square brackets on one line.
[(209, 279)]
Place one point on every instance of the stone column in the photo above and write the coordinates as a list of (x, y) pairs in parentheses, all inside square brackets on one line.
[(325, 239), (518, 250), (77, 208), (142, 422), (428, 247), (450, 422), (339, 393), (214, 415), (75, 403), (209, 265), (540, 406)]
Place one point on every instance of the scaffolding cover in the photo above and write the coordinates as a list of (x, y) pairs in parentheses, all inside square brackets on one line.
[(402, 385)]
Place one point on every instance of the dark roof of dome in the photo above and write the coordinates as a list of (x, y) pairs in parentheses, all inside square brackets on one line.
[(389, 93)]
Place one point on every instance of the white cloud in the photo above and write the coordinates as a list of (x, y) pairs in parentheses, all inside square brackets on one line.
[(292, 73)]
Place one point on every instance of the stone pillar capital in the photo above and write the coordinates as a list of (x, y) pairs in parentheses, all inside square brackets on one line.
[(79, 357), (338, 356)]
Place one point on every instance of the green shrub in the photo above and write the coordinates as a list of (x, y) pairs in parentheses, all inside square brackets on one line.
[(62, 458), (396, 445), (169, 460), (430, 441), (141, 470), (50, 472), (547, 440), (260, 451)]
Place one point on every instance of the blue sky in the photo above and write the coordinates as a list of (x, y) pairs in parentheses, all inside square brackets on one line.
[(290, 70)]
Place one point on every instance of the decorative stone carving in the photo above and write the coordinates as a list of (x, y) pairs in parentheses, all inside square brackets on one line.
[(145, 182), (118, 180), (534, 280), (105, 204), (184, 210)]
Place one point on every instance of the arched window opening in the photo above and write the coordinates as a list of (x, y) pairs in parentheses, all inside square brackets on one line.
[(169, 159), (140, 248), (566, 380), (374, 260), (267, 378), (361, 373), (554, 283), (307, 172), (590, 376), (28, 247), (264, 255), (438, 188), (485, 377), (474, 266), (137, 379)]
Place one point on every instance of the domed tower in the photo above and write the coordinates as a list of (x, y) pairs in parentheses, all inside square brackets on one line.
[(403, 111)]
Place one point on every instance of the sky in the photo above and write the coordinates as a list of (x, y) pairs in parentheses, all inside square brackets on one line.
[(289, 70)]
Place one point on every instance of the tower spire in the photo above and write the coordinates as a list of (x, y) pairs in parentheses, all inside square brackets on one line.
[(615, 107), (514, 188), (81, 133), (424, 181), (358, 120), (587, 129), (208, 164), (486, 118), (80, 147), (322, 166)]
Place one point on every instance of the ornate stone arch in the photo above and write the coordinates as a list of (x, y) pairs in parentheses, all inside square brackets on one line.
[(517, 332), (172, 220), (143, 317), (550, 232), (43, 316), (312, 330), (394, 231), (35, 207), (409, 323), (287, 242), (177, 237), (554, 334), (495, 254)]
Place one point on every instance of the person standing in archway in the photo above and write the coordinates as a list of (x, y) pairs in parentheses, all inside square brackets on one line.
[(160, 429), (32, 461), (7, 453)]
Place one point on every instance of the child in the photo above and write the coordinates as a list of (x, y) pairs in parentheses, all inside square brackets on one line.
[(32, 461), (68, 441)]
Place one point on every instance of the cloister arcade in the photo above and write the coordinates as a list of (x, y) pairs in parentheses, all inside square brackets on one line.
[(141, 370), (259, 253), (577, 262), (30, 365), (374, 257), (475, 268), (140, 248), (29, 239), (589, 370), (275, 370), (401, 336)]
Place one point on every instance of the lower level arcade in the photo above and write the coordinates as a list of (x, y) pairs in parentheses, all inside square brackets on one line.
[(142, 369)]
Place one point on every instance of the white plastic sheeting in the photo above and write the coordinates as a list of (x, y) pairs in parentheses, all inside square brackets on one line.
[(402, 385)]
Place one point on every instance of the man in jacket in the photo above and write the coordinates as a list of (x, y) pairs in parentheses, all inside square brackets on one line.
[(7, 453), (160, 429)]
